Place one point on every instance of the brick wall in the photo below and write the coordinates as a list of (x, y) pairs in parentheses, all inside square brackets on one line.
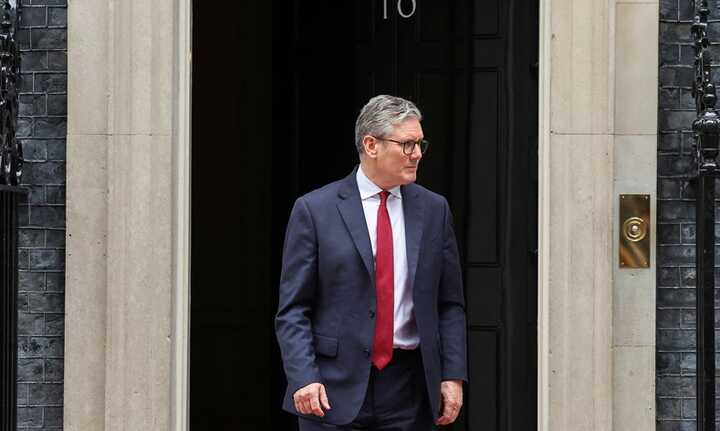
[(43, 105), (676, 217)]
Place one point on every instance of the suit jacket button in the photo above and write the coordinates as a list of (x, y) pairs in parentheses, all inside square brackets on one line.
[(367, 352), (372, 313)]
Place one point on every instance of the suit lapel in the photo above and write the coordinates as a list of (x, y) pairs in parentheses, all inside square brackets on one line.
[(414, 211), (353, 215)]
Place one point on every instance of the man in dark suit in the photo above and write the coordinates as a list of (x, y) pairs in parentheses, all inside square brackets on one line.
[(371, 318)]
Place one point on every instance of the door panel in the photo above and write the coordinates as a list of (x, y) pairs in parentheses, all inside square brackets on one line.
[(484, 169), (481, 408), (483, 293)]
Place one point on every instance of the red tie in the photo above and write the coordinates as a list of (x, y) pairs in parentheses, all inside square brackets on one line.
[(384, 286)]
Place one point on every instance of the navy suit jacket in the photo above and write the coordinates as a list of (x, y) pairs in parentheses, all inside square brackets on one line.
[(325, 320)]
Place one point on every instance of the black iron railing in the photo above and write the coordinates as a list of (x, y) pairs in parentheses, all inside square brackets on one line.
[(706, 128), (11, 154), (9, 197), (11, 164)]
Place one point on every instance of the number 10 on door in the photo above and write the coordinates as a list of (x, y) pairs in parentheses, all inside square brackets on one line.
[(400, 10)]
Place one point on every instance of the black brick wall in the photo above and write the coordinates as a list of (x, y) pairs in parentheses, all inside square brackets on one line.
[(676, 217), (43, 110)]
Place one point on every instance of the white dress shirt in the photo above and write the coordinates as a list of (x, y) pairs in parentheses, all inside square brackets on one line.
[(405, 334)]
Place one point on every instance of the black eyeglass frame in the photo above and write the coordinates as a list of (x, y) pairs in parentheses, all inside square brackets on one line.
[(422, 143)]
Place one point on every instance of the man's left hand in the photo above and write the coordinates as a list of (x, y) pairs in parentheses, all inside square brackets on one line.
[(452, 400)]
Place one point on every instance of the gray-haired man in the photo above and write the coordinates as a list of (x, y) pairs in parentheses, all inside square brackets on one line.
[(371, 320)]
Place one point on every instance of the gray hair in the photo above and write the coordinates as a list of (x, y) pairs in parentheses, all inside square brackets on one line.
[(380, 114)]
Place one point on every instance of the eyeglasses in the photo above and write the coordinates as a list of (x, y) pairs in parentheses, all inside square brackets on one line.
[(409, 146)]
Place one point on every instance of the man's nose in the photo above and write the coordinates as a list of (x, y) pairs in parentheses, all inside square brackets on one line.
[(416, 153)]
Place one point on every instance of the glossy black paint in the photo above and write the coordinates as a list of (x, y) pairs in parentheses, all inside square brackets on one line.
[(11, 161), (9, 197), (706, 129), (11, 154)]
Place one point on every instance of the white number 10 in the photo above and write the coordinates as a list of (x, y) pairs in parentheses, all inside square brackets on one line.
[(400, 9)]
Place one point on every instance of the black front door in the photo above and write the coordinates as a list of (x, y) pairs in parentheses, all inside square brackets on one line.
[(277, 87)]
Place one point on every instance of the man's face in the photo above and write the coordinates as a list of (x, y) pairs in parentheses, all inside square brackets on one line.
[(393, 165)]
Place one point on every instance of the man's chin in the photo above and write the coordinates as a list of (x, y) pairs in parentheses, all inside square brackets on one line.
[(409, 178)]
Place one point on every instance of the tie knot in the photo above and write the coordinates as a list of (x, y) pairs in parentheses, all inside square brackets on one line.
[(384, 195)]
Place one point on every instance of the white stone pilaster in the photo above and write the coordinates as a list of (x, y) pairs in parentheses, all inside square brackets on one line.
[(598, 110), (128, 187)]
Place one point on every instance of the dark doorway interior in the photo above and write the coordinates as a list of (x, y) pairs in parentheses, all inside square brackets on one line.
[(276, 89)]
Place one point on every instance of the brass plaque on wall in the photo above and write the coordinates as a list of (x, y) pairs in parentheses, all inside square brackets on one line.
[(634, 231)]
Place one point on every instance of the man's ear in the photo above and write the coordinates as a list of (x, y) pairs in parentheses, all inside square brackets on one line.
[(370, 146)]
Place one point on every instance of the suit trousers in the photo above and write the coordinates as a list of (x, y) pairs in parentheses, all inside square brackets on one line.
[(396, 399)]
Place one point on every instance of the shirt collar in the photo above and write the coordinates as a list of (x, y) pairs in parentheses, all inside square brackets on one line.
[(369, 189)]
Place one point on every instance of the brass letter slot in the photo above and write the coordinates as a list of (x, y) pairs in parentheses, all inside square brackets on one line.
[(634, 231)]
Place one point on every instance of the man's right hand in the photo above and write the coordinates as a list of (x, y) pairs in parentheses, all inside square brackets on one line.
[(311, 400)]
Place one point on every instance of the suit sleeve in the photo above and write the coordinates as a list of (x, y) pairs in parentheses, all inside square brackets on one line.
[(298, 281), (451, 307)]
